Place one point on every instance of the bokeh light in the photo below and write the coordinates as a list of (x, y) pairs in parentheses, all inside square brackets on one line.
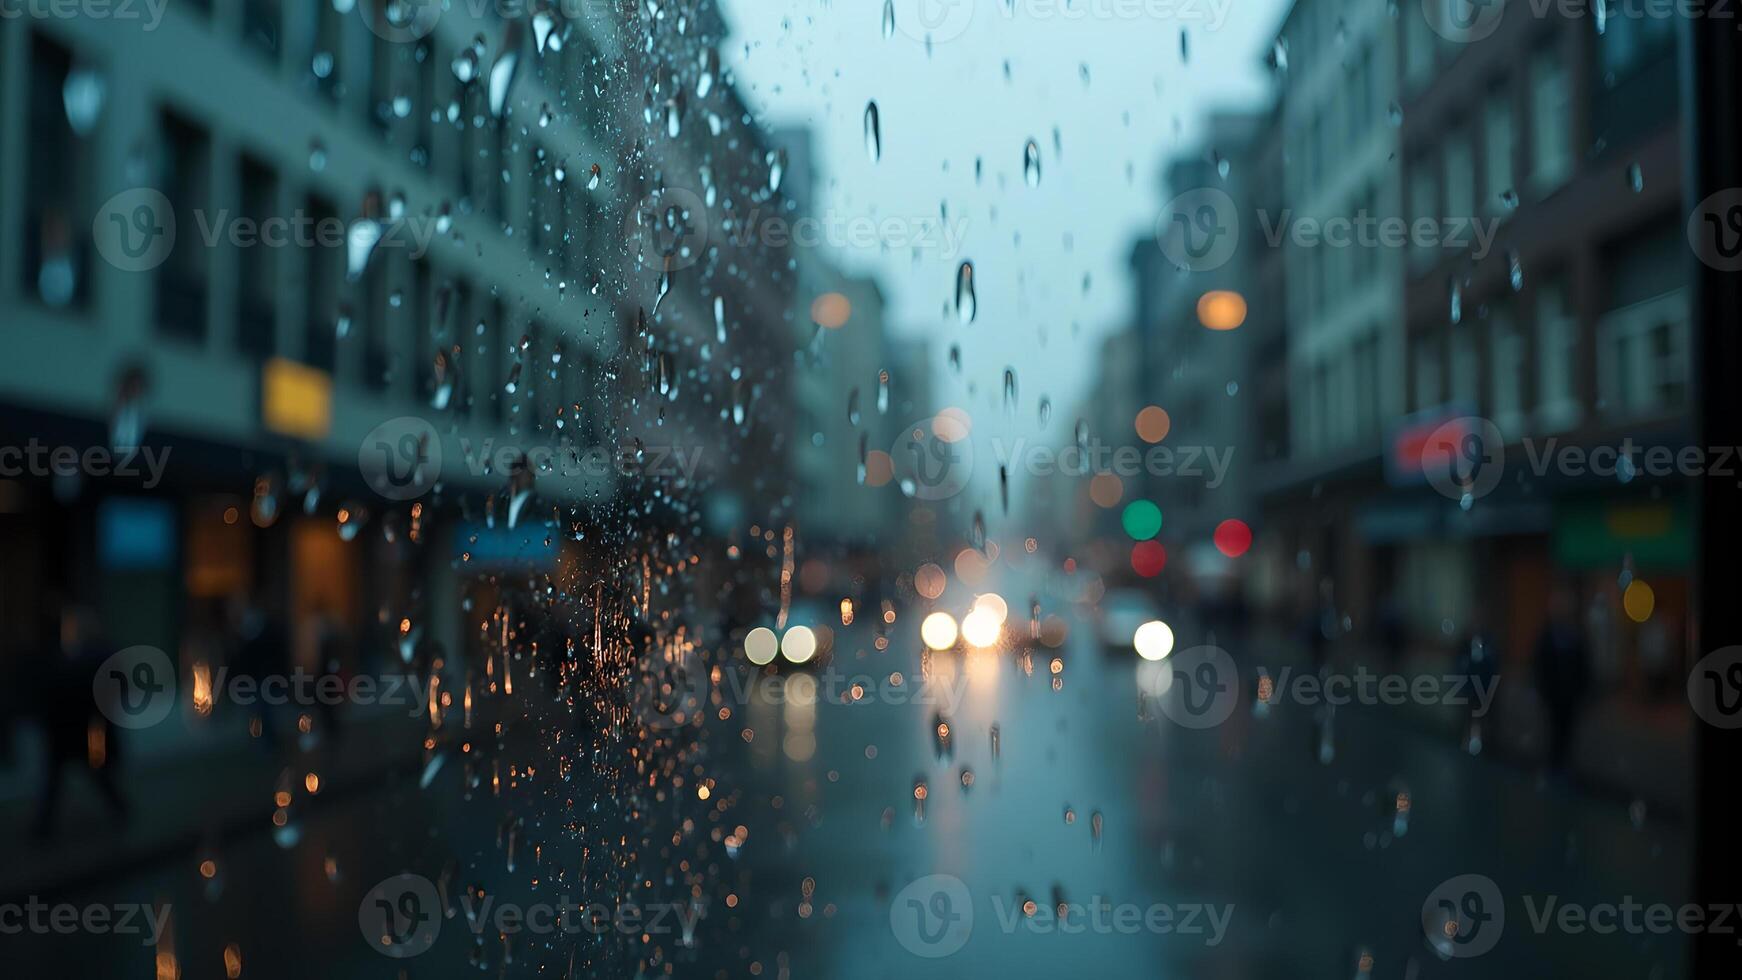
[(1233, 538), (879, 468), (1153, 640), (799, 644), (938, 631), (952, 424), (929, 580), (980, 628), (1142, 520), (831, 311), (1221, 309), (1639, 601), (761, 646), (1153, 424), (1148, 558), (1105, 489), (993, 604)]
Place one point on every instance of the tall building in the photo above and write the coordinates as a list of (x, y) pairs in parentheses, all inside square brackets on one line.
[(1571, 334), (338, 272), (1339, 66)]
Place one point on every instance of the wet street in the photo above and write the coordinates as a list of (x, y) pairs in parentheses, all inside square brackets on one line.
[(1304, 862), (1234, 851)]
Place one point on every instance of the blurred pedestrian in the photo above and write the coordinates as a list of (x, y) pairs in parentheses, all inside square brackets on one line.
[(1563, 676), (1478, 661), (262, 651), (75, 732)]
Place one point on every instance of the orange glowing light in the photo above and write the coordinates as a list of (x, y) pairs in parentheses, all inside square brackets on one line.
[(1221, 309), (1153, 424)]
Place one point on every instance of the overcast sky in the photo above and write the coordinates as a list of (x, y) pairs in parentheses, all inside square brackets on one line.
[(1108, 74)]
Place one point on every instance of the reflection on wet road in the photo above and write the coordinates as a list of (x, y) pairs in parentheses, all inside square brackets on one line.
[(1232, 851)]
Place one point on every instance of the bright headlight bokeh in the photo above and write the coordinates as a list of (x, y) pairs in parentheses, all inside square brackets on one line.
[(1153, 640), (799, 644), (993, 604), (981, 628), (938, 631), (761, 646)]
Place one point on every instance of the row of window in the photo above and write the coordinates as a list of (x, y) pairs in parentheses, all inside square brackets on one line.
[(1641, 362), (384, 306)]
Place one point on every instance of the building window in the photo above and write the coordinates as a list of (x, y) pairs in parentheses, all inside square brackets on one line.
[(1429, 391), (1465, 368), (257, 266), (1551, 113), (326, 269), (1497, 153), (1460, 176), (58, 177), (184, 173), (1557, 402), (1506, 360), (1423, 203), (1643, 356)]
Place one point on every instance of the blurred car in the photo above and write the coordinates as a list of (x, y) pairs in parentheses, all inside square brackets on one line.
[(1120, 613)]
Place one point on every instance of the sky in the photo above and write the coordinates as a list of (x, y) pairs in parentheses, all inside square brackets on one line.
[(1050, 260)]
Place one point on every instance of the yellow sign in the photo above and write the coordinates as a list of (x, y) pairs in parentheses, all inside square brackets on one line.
[(296, 400)]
